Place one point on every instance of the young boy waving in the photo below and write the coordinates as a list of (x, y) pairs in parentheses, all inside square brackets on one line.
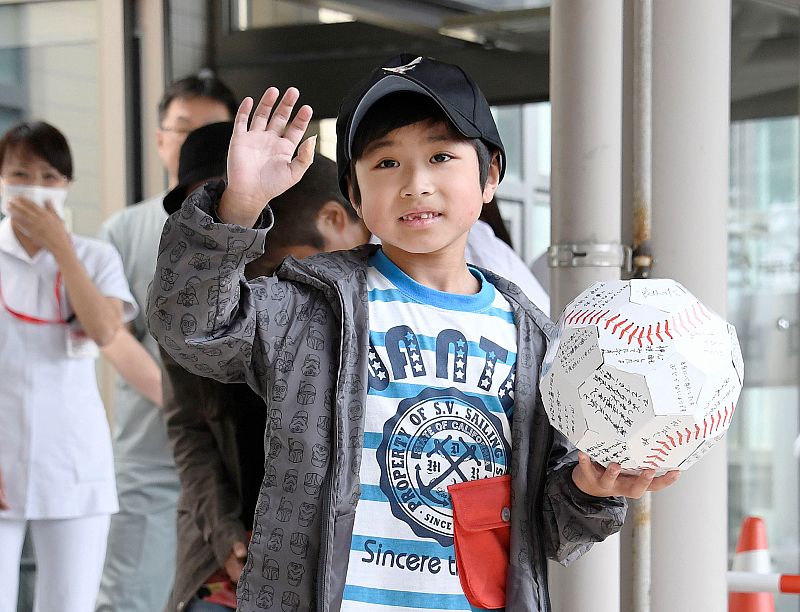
[(399, 373)]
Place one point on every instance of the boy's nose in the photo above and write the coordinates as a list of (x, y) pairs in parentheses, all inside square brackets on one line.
[(416, 184)]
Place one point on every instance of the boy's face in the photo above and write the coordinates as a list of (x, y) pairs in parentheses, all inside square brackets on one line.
[(420, 190)]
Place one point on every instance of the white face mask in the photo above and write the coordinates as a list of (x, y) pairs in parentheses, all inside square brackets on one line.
[(38, 195)]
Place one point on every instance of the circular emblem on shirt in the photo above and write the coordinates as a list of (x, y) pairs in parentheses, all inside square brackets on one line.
[(438, 438)]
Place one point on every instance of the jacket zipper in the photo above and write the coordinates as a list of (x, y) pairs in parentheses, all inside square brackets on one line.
[(538, 530), (540, 471), (323, 589)]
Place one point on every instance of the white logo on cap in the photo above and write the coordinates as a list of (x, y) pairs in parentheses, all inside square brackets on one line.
[(403, 69)]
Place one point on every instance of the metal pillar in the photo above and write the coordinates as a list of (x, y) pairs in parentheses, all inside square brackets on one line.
[(641, 509), (586, 97), (691, 75)]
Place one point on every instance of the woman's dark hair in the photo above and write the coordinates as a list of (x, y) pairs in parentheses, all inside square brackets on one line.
[(398, 110), (40, 139)]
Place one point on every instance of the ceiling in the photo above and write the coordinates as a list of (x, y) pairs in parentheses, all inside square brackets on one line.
[(504, 44)]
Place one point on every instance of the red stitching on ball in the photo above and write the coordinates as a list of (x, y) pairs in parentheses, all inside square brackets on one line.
[(614, 331), (600, 317)]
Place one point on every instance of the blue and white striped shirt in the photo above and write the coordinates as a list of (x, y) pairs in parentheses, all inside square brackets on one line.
[(438, 412)]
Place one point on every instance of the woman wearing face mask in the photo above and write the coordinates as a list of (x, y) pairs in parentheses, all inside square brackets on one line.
[(61, 296)]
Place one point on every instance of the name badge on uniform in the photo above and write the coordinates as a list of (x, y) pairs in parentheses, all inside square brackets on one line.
[(80, 346)]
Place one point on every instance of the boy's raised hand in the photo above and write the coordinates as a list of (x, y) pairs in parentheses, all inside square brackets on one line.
[(261, 160), (593, 479)]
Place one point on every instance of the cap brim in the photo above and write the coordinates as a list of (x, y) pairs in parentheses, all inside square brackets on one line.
[(393, 83)]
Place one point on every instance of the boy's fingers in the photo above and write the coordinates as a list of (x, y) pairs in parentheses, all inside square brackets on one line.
[(609, 477), (264, 109), (641, 484), (299, 125), (242, 115), (664, 481), (303, 159), (283, 112)]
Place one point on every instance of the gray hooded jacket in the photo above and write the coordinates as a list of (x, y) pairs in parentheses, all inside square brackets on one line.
[(300, 339)]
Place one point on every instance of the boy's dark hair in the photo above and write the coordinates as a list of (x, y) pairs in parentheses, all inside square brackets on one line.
[(295, 209), (398, 110), (42, 140), (201, 85)]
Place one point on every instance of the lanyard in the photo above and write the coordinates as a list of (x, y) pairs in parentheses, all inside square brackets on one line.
[(25, 318)]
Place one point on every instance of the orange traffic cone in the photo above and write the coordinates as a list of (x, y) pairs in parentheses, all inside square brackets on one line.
[(752, 556)]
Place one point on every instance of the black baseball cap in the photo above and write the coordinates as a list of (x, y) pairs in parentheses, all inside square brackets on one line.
[(448, 85), (204, 155)]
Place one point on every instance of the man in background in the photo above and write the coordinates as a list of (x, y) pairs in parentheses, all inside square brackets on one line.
[(140, 558)]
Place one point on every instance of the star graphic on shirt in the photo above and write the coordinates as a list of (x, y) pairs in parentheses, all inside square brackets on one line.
[(459, 353), (492, 355), (460, 343), (486, 382), (381, 375), (409, 337), (459, 364), (418, 367)]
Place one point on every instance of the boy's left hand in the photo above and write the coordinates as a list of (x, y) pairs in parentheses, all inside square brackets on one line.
[(593, 479)]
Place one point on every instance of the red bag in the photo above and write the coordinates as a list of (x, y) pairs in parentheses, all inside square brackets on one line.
[(482, 531)]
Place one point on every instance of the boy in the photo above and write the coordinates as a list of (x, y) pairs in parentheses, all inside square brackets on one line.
[(414, 387)]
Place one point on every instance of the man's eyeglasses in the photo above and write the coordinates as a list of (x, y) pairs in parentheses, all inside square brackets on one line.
[(177, 130)]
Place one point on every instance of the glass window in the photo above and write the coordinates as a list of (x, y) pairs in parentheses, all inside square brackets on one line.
[(510, 125), (763, 282), (49, 71), (254, 14)]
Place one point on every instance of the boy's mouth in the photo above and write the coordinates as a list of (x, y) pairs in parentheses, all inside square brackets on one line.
[(419, 216)]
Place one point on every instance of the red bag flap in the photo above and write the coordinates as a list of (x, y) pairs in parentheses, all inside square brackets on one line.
[(481, 534), (480, 504)]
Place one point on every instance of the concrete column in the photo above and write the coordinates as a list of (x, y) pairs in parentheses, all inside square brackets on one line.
[(691, 74), (150, 24), (586, 97)]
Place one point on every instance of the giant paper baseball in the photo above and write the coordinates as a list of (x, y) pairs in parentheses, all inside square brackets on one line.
[(642, 374)]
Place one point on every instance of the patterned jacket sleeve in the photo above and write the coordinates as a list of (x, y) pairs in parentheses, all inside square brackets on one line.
[(201, 308), (573, 519), (208, 490)]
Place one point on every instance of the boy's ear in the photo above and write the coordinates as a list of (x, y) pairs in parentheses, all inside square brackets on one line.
[(356, 202), (492, 179)]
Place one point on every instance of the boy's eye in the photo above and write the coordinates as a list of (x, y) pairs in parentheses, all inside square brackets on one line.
[(387, 163), (441, 157)]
